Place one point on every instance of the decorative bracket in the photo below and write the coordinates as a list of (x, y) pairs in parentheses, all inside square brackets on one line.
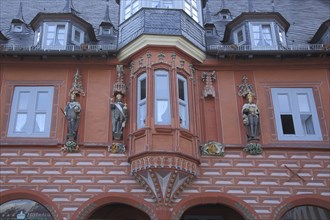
[(116, 148), (120, 86), (245, 88), (163, 175), (209, 78), (212, 148)]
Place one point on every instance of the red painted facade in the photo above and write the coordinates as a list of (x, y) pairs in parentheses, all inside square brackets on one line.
[(74, 185)]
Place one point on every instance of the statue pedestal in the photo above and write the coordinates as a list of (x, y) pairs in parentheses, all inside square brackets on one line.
[(117, 136)]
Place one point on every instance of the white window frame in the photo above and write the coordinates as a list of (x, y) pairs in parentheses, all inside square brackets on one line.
[(194, 9), (162, 107), (28, 106), (242, 29), (45, 35), (183, 106), (38, 36), (293, 108), (282, 37), (273, 45), (73, 35), (141, 102)]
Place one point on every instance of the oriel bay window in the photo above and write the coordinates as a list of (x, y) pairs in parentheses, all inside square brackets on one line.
[(165, 93)]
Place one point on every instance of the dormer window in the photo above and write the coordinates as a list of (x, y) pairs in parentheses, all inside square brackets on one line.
[(262, 35), (61, 31), (77, 35), (258, 31), (106, 31), (55, 35), (239, 36), (17, 27)]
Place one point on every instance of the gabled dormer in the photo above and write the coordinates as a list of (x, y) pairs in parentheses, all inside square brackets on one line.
[(18, 24), (60, 30), (106, 27), (257, 31)]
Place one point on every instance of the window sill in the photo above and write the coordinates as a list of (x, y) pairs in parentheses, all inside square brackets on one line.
[(29, 141)]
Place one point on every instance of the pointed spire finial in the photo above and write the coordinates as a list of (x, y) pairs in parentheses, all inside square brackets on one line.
[(251, 8), (20, 12), (208, 18), (107, 16), (273, 5), (223, 4), (69, 8)]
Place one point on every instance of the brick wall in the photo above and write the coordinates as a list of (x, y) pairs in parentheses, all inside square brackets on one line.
[(70, 179)]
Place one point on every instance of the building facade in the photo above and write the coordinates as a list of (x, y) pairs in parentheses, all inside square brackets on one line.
[(165, 109)]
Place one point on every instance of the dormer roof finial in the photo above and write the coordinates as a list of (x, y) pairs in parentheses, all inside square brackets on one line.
[(69, 8), (20, 13)]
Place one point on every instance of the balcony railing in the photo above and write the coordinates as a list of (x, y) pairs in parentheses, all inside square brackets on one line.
[(298, 47), (153, 21), (68, 48), (210, 48)]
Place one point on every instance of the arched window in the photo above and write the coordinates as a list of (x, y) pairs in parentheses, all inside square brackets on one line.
[(24, 209)]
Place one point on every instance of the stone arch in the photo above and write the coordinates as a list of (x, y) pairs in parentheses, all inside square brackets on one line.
[(286, 205), (88, 207), (235, 203), (14, 194)]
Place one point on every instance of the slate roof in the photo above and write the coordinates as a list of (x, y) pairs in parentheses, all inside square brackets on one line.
[(304, 16)]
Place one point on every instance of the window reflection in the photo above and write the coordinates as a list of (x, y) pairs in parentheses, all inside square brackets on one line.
[(24, 209)]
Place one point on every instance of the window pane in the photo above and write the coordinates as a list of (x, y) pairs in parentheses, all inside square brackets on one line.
[(20, 124), (240, 37), (42, 100), (287, 124), (40, 121), (183, 115), (142, 115), (303, 103), (143, 91), (181, 89), (77, 36), (23, 100), (307, 124), (283, 101), (163, 113)]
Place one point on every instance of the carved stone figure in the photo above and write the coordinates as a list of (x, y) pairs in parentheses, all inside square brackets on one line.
[(250, 114), (72, 113), (119, 117)]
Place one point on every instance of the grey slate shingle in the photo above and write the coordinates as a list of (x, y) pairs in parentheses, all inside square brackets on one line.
[(304, 16)]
